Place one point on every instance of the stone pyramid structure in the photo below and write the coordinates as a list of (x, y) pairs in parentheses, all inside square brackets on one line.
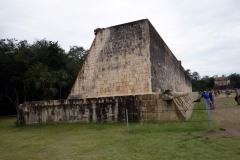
[(129, 69), (129, 59)]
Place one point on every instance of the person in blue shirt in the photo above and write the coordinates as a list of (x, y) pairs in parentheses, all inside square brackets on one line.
[(211, 98), (206, 96)]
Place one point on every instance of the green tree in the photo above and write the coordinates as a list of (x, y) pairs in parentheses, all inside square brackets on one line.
[(77, 56), (63, 79), (196, 76), (38, 71), (235, 80), (32, 75), (46, 83), (14, 65), (200, 84)]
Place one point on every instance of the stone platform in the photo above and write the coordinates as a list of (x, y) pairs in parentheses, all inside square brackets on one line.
[(154, 107)]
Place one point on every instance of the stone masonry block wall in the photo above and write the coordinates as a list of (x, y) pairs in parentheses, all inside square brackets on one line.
[(118, 63), (167, 72), (129, 59), (107, 109)]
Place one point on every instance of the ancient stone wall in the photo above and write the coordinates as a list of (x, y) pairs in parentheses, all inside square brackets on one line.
[(129, 59), (109, 109), (167, 72), (117, 64)]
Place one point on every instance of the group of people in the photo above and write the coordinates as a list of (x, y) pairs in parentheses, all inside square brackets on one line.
[(209, 96), (215, 92)]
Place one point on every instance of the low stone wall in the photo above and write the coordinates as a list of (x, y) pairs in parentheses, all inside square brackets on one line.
[(154, 107)]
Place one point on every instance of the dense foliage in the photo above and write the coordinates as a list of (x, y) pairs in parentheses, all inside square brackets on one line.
[(34, 72), (235, 80), (206, 82)]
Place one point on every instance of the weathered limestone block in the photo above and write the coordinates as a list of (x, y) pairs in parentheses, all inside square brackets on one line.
[(94, 116), (110, 113), (129, 59), (153, 108), (116, 110)]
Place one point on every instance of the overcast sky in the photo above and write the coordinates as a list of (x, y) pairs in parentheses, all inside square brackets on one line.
[(203, 34)]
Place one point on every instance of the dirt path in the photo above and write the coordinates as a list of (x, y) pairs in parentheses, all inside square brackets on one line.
[(226, 116)]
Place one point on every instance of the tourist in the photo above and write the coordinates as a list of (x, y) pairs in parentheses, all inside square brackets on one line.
[(237, 98), (210, 94), (227, 93), (213, 104), (215, 93), (207, 98)]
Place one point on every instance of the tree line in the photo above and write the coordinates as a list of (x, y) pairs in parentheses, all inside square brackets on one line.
[(34, 72), (202, 83)]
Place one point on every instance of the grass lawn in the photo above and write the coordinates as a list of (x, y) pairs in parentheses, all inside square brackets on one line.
[(169, 140)]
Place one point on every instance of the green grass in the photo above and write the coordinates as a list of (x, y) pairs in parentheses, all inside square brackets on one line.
[(227, 101), (166, 140), (197, 122)]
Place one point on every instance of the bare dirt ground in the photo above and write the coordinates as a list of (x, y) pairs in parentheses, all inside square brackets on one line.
[(226, 116)]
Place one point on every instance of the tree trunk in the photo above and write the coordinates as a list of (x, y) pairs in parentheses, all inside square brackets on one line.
[(15, 101), (17, 108), (18, 114)]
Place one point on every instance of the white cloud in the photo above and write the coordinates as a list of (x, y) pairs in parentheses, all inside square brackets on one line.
[(204, 35)]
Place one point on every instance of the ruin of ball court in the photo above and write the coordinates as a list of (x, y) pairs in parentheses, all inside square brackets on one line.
[(128, 66)]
